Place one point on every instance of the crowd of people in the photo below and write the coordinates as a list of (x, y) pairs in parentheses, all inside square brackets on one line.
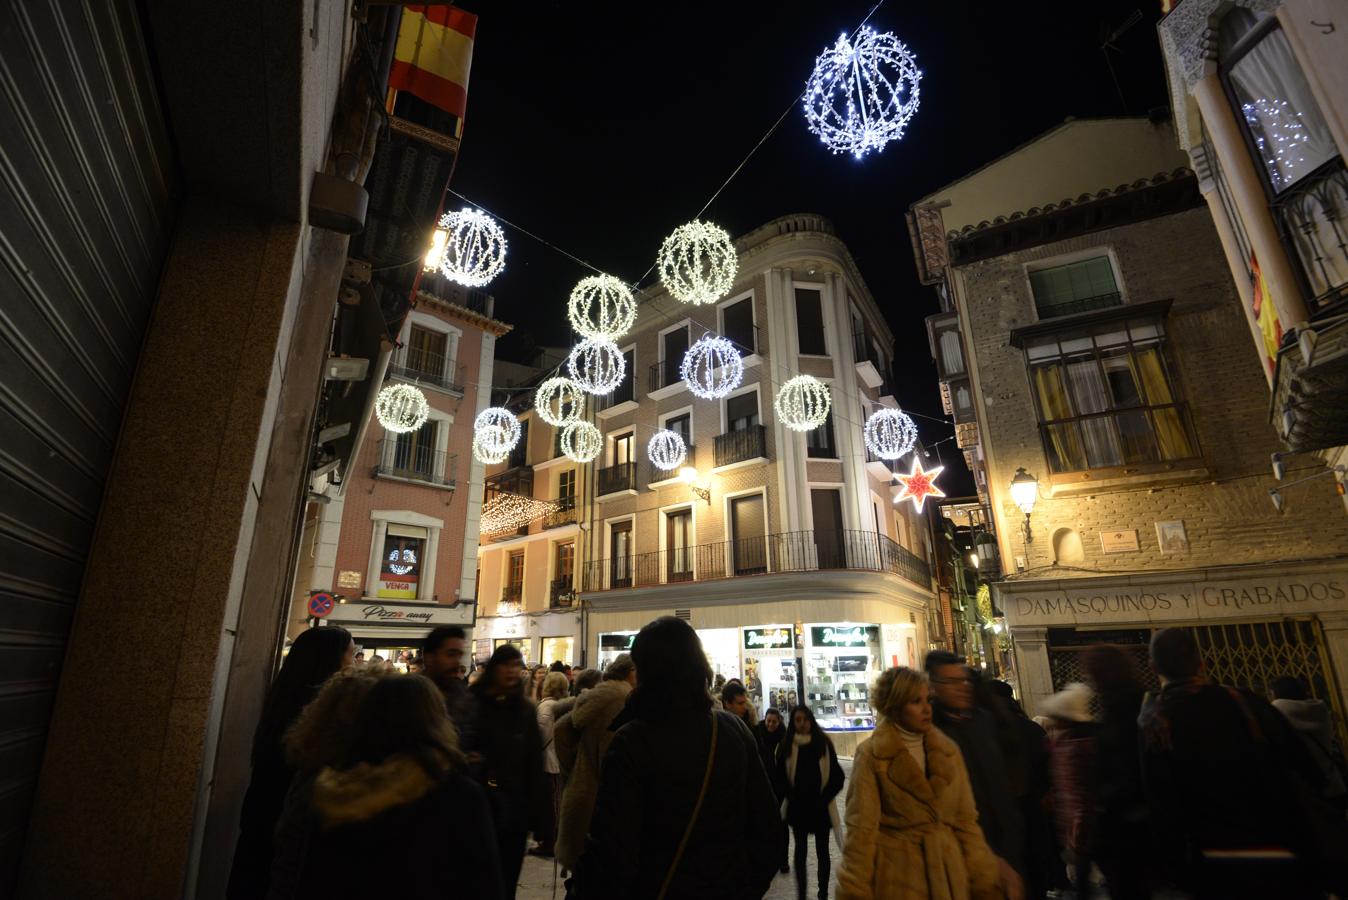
[(641, 782)]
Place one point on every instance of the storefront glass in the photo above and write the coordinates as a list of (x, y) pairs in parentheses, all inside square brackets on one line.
[(558, 649), (722, 646), (522, 644), (613, 644), (841, 662), (397, 654), (770, 667)]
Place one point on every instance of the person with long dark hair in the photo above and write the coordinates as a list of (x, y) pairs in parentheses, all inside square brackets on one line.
[(811, 778), (684, 808), (314, 656), (401, 795)]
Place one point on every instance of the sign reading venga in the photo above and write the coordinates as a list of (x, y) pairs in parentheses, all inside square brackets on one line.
[(1115, 601)]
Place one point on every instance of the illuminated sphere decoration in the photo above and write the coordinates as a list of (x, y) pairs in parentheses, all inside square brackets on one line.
[(698, 263), (862, 95), (497, 430), (401, 408), (666, 450), (475, 248), (712, 367), (559, 401), (483, 449), (803, 403), (601, 306), (889, 433), (581, 442), (597, 365)]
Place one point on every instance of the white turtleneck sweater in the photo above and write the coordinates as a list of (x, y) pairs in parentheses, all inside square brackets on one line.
[(912, 742)]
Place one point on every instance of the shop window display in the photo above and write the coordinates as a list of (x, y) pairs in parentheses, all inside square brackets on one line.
[(520, 644), (770, 667), (841, 662), (722, 646), (612, 645), (558, 649)]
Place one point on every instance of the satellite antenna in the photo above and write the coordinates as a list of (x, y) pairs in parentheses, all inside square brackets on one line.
[(1108, 44)]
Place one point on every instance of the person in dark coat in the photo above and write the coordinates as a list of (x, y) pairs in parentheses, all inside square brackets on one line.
[(442, 655), (1074, 778), (770, 733), (400, 796), (1030, 779), (810, 778), (653, 775), (508, 759), (314, 656), (973, 731)]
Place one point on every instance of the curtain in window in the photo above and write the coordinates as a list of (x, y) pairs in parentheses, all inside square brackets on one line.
[(1172, 437), (1064, 439), (1090, 394)]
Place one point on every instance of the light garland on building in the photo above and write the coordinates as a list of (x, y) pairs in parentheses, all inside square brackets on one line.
[(496, 430), (474, 248), (666, 450), (581, 442), (698, 263), (400, 562), (601, 306), (712, 367), (862, 95), (401, 408), (511, 512), (483, 454), (1279, 135), (597, 365), (919, 484), (559, 401), (803, 403), (889, 433)]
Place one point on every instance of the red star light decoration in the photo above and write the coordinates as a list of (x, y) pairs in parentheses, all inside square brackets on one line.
[(919, 484)]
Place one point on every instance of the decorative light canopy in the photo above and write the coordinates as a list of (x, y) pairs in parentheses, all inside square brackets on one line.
[(698, 263), (496, 430), (666, 450), (861, 95), (601, 306), (597, 365), (401, 408), (803, 403), (919, 484), (889, 433), (581, 442), (505, 512), (1280, 136), (712, 367), (474, 247), (559, 401), (484, 452)]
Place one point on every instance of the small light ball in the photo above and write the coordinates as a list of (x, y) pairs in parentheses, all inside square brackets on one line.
[(890, 433), (803, 403), (581, 442), (698, 263), (497, 429), (597, 365), (401, 408), (559, 401), (474, 247), (666, 450), (862, 95), (483, 449), (601, 306), (712, 367)]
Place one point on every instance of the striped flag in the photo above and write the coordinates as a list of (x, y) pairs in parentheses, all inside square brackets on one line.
[(433, 55)]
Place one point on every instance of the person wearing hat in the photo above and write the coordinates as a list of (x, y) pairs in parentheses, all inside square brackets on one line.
[(1073, 769)]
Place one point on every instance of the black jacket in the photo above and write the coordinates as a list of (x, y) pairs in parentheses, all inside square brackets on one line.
[(808, 794), (768, 742), (648, 787), (998, 814), (505, 733)]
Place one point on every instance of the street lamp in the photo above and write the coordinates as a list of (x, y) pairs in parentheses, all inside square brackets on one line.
[(689, 476), (1024, 491)]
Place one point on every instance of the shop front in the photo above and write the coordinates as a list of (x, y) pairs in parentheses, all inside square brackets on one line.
[(393, 630), (540, 637)]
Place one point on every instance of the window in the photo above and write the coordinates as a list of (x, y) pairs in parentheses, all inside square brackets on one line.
[(1106, 398), (737, 325), (952, 353), (673, 346), (563, 575), (678, 544), (513, 592), (741, 411), (400, 566), (810, 322), (566, 484), (625, 391), (620, 554), (682, 425), (819, 443), (622, 449), (426, 351), (519, 454), (1075, 287), (414, 452)]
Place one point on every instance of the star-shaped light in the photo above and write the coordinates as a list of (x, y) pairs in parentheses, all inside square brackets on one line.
[(919, 484)]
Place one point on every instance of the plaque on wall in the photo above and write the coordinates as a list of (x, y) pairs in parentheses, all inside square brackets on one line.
[(349, 579), (1119, 541)]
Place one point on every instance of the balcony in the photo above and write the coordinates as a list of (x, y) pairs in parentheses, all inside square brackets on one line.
[(1080, 305), (565, 514), (512, 595), (664, 374), (796, 551), (515, 480), (616, 479), (748, 341), (656, 475), (426, 368), (1309, 384), (562, 594), (870, 367), (1312, 218), (740, 446), (414, 462)]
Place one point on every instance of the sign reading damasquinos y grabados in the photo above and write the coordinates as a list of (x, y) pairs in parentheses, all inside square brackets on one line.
[(843, 635), (768, 639), (385, 613), (1122, 600)]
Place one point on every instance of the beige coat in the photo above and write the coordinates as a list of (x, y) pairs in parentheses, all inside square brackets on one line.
[(581, 737), (910, 836)]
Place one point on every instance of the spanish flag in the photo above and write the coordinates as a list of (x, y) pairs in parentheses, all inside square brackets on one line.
[(433, 55), (1265, 316)]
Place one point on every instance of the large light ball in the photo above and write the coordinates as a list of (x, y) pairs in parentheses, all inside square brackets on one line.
[(401, 408), (862, 94), (581, 442), (497, 429), (889, 433), (698, 263), (559, 401), (712, 367), (601, 306), (474, 247), (485, 448), (666, 450), (597, 365), (803, 403)]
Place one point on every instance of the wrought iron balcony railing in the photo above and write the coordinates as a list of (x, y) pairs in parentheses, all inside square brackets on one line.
[(562, 593), (622, 477), (737, 446), (400, 458), (654, 473), (1080, 305), (425, 367), (565, 514), (512, 594)]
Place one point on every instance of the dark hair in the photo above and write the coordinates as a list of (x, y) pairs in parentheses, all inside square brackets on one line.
[(938, 658), (315, 654), (1174, 654), (773, 711), (1288, 687), (672, 670), (1110, 671), (620, 668), (817, 734), (732, 690), (1001, 689), (504, 655), (558, 666), (405, 714), (438, 636)]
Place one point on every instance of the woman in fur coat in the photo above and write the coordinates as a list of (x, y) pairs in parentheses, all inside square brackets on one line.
[(912, 829), (809, 779)]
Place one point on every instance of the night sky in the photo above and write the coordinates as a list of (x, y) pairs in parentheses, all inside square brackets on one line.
[(600, 128)]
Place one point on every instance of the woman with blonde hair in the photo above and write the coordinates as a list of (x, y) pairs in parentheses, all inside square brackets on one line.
[(556, 686), (537, 676), (912, 828)]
